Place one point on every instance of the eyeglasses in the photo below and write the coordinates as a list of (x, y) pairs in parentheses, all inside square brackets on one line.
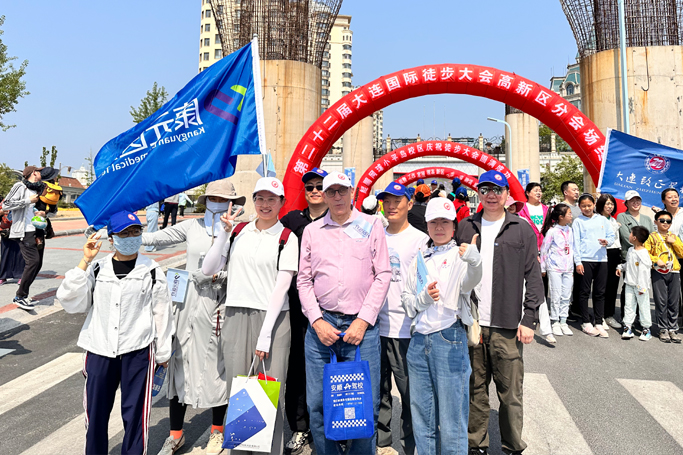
[(310, 188), (331, 192), (664, 221), (270, 201), (484, 190), (132, 232)]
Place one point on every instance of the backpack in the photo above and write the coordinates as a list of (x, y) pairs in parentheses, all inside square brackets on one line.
[(284, 236)]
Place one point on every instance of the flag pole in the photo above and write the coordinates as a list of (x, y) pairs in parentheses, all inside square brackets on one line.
[(258, 95)]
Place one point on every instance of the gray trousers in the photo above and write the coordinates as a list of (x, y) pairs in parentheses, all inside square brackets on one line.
[(239, 335), (393, 361), (666, 291)]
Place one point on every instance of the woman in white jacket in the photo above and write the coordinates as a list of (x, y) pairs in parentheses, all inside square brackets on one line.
[(126, 334), (438, 358)]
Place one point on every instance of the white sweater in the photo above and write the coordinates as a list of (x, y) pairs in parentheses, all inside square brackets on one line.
[(124, 315)]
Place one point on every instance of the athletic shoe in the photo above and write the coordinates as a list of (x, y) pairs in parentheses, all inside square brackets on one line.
[(557, 329), (664, 336), (171, 445), (674, 337), (476, 451), (19, 282), (566, 330), (613, 323), (588, 329), (645, 336), (23, 303), (2, 282), (299, 440), (601, 331), (215, 445), (550, 338), (627, 334), (386, 451)]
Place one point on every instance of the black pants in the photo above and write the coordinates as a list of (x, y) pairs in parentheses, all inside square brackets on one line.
[(666, 290), (595, 274), (394, 362), (295, 390), (181, 210), (33, 257), (176, 414), (612, 287), (575, 307), (170, 209)]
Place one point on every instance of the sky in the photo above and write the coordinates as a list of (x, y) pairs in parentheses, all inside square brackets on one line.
[(90, 61)]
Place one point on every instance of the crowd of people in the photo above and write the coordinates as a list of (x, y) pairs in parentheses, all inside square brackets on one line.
[(287, 292)]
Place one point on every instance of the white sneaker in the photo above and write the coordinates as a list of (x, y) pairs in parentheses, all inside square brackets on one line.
[(602, 333), (588, 329), (550, 339), (566, 330), (171, 445), (386, 451), (215, 445), (616, 325), (557, 329), (299, 440)]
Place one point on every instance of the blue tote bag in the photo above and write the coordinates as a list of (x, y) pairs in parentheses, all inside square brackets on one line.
[(347, 399)]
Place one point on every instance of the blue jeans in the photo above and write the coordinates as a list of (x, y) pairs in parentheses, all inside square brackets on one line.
[(152, 217), (439, 371), (317, 355)]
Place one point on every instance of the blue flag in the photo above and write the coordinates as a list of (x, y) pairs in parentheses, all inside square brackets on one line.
[(192, 139), (422, 276), (631, 163)]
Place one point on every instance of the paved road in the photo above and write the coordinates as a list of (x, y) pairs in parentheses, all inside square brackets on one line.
[(583, 396)]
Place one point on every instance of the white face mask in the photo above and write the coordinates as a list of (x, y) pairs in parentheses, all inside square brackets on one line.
[(212, 217)]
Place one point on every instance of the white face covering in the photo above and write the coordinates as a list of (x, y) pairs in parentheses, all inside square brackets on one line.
[(212, 217)]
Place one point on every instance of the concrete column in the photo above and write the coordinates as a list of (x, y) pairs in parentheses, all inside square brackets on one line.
[(291, 103), (524, 145)]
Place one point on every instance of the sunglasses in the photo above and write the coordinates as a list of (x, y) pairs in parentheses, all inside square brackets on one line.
[(331, 192), (310, 188), (664, 221), (497, 190)]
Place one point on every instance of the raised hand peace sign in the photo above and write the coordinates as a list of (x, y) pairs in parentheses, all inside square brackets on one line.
[(228, 218)]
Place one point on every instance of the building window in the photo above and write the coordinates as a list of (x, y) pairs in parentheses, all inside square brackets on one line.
[(326, 64), (207, 13), (325, 83), (346, 56), (207, 27), (325, 92), (218, 54), (570, 89), (218, 39), (207, 41), (206, 56), (325, 102), (325, 73), (349, 75), (326, 55), (346, 66), (347, 84), (344, 93), (347, 47)]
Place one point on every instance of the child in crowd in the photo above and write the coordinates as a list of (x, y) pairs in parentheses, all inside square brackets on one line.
[(663, 247), (592, 234), (558, 257), (637, 283)]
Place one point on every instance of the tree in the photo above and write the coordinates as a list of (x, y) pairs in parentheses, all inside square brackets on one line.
[(51, 153), (7, 179), (569, 168), (544, 138), (151, 103), (12, 87)]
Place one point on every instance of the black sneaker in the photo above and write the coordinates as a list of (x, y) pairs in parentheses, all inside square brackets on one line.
[(674, 336), (23, 303), (664, 336), (478, 451)]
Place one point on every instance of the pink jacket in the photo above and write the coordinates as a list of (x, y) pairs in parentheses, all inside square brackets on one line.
[(524, 213)]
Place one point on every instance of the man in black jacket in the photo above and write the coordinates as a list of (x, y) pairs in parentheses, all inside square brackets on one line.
[(416, 215), (295, 391), (510, 263)]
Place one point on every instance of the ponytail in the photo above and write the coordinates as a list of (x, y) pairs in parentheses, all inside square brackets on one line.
[(550, 221)]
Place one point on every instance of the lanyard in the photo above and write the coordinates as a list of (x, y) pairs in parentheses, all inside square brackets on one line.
[(566, 240), (668, 250)]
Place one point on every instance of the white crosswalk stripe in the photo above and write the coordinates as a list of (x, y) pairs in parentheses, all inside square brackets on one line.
[(37, 381), (558, 435), (662, 399)]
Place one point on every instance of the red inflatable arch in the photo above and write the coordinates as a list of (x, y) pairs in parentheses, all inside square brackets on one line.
[(534, 99), (443, 172), (432, 148)]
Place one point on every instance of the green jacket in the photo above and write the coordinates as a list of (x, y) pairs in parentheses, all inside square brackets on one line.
[(627, 222)]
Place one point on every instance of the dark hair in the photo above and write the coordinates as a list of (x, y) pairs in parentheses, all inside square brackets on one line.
[(430, 242), (585, 196), (420, 197), (529, 187), (662, 213), (668, 190), (554, 218), (640, 233), (565, 185), (442, 187), (602, 200)]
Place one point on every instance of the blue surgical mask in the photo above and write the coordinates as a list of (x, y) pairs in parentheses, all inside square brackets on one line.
[(127, 246)]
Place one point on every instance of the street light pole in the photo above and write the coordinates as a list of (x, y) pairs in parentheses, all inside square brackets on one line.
[(624, 83), (508, 145)]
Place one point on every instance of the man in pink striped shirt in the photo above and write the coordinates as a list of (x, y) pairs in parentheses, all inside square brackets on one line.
[(344, 276)]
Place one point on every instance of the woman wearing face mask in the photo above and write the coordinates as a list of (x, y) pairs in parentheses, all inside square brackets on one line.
[(196, 374), (127, 332), (261, 260)]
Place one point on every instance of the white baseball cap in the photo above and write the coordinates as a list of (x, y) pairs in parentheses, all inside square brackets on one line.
[(336, 178), (269, 184), (630, 194), (439, 207)]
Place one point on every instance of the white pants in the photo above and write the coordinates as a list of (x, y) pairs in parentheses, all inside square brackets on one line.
[(633, 302), (560, 289)]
